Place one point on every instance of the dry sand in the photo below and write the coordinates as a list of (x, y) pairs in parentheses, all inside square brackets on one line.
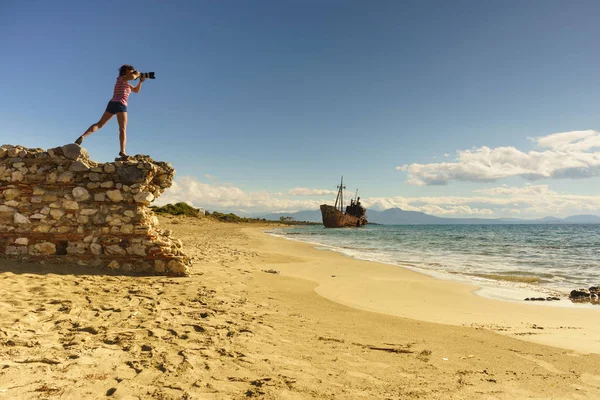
[(232, 331)]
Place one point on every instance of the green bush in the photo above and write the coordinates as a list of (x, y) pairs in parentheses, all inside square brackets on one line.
[(177, 209), (229, 217)]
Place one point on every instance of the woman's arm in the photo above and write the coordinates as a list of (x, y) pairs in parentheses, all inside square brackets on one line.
[(137, 88)]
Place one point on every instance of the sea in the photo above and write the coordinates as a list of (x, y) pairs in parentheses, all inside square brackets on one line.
[(508, 262)]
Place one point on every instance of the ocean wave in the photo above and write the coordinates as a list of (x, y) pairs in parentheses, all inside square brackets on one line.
[(512, 278), (537, 256)]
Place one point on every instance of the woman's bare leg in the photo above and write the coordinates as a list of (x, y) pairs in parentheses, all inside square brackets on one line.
[(122, 118), (94, 127)]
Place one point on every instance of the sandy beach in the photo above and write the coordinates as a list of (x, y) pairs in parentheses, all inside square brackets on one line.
[(264, 317)]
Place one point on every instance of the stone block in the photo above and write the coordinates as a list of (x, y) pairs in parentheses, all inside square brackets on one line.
[(114, 195), (43, 228), (137, 249), (44, 248), (65, 177), (16, 176), (22, 240), (144, 198), (79, 166), (56, 213), (177, 267), (16, 250), (70, 205), (76, 248), (21, 219), (11, 194), (80, 194), (114, 249), (74, 151), (129, 174), (96, 248), (48, 197), (88, 211)]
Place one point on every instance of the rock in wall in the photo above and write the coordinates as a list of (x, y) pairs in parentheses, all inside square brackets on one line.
[(60, 206)]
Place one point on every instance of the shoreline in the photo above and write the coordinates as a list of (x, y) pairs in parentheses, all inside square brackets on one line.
[(504, 289), (399, 291)]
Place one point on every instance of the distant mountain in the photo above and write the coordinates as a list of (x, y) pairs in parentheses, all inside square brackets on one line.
[(397, 216), (549, 219), (310, 216), (582, 219)]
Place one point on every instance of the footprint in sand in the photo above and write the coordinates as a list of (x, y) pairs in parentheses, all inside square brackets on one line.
[(546, 365)]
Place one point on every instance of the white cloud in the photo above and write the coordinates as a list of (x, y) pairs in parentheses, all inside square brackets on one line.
[(570, 141), (310, 192), (529, 190), (569, 155), (222, 197), (527, 201)]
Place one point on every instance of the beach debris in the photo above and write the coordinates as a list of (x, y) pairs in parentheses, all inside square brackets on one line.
[(391, 350), (260, 382), (197, 328), (111, 391), (135, 365), (424, 355), (330, 339), (550, 298), (271, 271), (88, 329), (38, 360), (49, 390), (444, 358)]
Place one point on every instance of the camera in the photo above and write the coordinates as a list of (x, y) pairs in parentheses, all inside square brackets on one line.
[(147, 75)]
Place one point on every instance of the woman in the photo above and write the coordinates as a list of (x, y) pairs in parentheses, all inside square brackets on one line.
[(118, 105)]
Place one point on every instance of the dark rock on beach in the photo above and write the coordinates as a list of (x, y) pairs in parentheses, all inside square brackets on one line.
[(591, 295), (551, 298), (579, 293)]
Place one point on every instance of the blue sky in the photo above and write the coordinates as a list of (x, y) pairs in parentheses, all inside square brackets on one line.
[(262, 105)]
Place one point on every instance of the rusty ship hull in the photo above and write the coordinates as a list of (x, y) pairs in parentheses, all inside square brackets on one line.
[(333, 218)]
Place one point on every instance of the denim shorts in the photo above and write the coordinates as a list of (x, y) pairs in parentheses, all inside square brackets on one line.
[(114, 107)]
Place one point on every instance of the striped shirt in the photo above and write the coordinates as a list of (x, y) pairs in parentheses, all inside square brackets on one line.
[(122, 90)]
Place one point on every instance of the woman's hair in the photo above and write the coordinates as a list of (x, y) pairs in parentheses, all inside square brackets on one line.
[(124, 68)]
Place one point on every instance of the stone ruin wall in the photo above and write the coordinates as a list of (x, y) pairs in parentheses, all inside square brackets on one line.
[(60, 206)]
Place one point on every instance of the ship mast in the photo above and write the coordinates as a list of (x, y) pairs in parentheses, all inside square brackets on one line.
[(340, 195)]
